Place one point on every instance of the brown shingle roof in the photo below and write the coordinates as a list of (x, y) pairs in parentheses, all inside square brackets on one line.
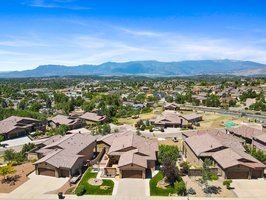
[(14, 122), (92, 117), (65, 151)]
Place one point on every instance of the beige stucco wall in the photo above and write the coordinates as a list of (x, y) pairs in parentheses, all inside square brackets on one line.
[(190, 155)]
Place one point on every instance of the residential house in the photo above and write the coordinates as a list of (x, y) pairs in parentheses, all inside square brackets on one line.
[(226, 152), (64, 156), (90, 118), (128, 155), (259, 142), (169, 119), (71, 122), (171, 106), (192, 118), (245, 132), (14, 126)]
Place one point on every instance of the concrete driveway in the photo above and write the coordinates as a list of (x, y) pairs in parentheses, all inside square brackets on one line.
[(131, 188), (37, 185), (250, 188)]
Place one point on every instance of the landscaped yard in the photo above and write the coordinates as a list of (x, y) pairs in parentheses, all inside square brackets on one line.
[(156, 191), (92, 189), (20, 177)]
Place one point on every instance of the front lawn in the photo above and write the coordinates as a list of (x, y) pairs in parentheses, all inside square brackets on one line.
[(155, 191), (91, 189)]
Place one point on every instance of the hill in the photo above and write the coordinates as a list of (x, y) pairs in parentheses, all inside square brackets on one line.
[(153, 68)]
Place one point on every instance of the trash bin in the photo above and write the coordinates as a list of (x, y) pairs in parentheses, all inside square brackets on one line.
[(60, 195)]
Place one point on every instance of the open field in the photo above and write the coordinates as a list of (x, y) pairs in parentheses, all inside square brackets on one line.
[(145, 116)]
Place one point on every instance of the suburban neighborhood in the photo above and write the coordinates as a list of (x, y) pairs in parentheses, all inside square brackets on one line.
[(102, 142), (132, 100)]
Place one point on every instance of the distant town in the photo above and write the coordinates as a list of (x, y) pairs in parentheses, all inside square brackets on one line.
[(72, 136)]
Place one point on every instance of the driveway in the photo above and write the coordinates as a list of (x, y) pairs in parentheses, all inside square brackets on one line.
[(250, 188), (37, 185), (131, 188)]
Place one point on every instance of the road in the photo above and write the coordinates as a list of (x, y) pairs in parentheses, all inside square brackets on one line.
[(17, 144), (250, 114)]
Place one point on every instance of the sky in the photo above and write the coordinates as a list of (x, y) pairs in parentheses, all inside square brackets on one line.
[(74, 32)]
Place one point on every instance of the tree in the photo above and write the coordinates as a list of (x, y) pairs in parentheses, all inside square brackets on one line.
[(167, 151), (169, 99), (9, 155), (169, 170), (213, 101), (106, 129), (6, 170), (60, 130), (35, 107), (206, 172), (27, 147)]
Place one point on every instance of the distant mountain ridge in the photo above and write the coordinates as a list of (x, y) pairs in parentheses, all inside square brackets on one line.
[(155, 68)]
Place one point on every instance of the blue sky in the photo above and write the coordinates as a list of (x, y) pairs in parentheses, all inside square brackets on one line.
[(73, 32)]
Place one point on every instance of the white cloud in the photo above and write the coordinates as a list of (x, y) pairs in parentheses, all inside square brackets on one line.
[(94, 48), (64, 4)]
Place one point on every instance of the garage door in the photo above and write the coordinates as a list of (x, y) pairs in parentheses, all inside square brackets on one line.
[(131, 174), (237, 175), (46, 172)]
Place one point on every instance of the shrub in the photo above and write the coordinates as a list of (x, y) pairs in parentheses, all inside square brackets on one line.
[(227, 183), (185, 165), (80, 190), (143, 127), (191, 191), (213, 177), (162, 130), (180, 187), (151, 130)]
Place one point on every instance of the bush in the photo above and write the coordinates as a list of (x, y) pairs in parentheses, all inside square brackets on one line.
[(214, 177), (191, 191), (227, 183), (180, 187), (185, 165), (80, 190), (162, 130), (143, 127), (151, 130)]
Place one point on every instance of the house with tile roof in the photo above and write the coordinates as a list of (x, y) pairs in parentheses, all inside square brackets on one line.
[(225, 150), (65, 156), (71, 122), (92, 118), (14, 126), (128, 155)]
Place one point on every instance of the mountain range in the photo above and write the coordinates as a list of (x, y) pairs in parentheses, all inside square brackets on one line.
[(149, 68)]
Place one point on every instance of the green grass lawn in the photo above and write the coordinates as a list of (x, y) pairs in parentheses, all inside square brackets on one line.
[(95, 190), (155, 191)]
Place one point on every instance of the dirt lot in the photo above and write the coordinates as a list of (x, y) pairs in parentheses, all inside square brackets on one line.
[(21, 171), (191, 182), (214, 120), (168, 141), (145, 116)]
